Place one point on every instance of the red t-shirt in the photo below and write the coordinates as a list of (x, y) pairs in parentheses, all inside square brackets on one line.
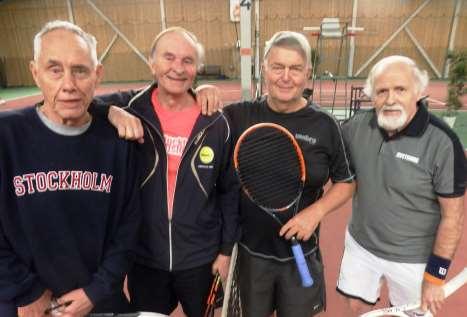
[(176, 127)]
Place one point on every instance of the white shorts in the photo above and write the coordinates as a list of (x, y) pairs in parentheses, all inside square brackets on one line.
[(361, 276)]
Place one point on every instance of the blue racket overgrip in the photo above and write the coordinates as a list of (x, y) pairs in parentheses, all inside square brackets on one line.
[(307, 280)]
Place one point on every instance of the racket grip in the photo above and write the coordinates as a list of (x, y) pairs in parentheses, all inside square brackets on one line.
[(307, 280)]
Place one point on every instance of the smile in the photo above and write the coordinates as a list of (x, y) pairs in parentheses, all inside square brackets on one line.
[(176, 79), (391, 112)]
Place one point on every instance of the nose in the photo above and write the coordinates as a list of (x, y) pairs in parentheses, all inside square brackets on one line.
[(68, 82), (178, 67), (286, 74), (391, 99)]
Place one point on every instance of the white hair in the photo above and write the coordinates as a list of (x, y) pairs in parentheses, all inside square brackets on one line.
[(421, 76), (291, 40), (89, 39), (189, 36)]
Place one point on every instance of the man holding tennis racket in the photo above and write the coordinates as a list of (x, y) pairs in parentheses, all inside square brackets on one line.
[(269, 279), (408, 213), (69, 201)]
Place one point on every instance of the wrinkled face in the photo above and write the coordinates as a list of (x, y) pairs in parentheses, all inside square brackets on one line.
[(285, 74), (174, 63), (67, 77), (395, 97)]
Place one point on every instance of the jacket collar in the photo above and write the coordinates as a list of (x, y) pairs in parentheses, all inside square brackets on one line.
[(141, 106), (416, 126)]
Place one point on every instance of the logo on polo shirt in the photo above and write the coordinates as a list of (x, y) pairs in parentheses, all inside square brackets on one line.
[(407, 157), (206, 155), (305, 138)]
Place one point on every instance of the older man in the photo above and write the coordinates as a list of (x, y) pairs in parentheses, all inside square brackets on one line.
[(407, 216), (269, 279), (69, 206), (190, 193)]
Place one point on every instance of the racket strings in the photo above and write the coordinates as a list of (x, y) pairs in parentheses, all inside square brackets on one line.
[(234, 308), (273, 197), (231, 303), (269, 168)]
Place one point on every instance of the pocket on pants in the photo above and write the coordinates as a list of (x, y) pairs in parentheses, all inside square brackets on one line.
[(317, 272)]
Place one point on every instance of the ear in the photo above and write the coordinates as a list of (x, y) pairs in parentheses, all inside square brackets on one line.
[(264, 68), (33, 68), (152, 67), (99, 73), (263, 76), (420, 95), (308, 72)]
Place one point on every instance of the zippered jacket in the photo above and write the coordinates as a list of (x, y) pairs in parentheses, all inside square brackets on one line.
[(205, 210)]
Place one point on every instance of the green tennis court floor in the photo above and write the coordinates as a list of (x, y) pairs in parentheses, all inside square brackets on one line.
[(18, 92)]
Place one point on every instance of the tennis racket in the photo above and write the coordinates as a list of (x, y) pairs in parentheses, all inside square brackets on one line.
[(211, 301), (413, 310), (271, 169), (232, 306)]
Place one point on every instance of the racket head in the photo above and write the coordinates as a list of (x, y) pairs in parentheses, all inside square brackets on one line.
[(232, 306), (409, 310), (412, 310), (270, 166)]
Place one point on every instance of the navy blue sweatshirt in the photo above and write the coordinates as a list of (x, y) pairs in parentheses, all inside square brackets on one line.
[(69, 209)]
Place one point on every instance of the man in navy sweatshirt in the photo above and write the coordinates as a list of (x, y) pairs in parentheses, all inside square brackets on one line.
[(69, 197)]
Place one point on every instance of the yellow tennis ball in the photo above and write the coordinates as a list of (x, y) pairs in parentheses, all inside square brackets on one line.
[(206, 155)]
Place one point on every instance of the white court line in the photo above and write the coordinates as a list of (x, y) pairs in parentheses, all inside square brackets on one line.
[(22, 97), (439, 102)]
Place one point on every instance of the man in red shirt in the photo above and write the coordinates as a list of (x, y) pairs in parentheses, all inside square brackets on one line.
[(190, 192)]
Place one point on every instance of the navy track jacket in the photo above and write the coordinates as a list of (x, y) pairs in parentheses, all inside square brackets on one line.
[(205, 212)]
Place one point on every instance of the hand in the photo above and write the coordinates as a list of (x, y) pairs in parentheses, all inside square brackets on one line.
[(221, 265), (80, 305), (432, 297), (208, 98), (302, 225), (36, 308), (129, 127)]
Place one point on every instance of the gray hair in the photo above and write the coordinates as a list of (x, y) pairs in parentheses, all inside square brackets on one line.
[(89, 39), (420, 76), (190, 37), (291, 40)]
